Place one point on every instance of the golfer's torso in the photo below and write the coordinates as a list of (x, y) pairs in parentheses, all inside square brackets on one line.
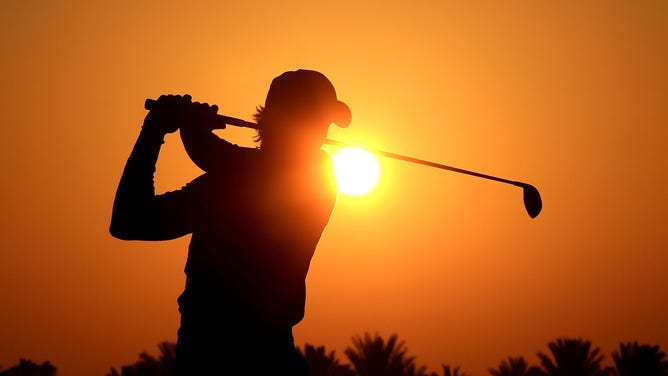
[(241, 258)]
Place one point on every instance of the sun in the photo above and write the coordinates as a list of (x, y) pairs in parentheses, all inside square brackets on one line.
[(356, 170)]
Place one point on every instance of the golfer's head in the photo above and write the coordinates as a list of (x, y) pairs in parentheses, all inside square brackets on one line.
[(301, 102)]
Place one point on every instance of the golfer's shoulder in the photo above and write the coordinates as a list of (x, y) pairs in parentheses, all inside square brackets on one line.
[(236, 160)]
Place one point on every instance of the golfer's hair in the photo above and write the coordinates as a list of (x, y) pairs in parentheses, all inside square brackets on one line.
[(259, 117)]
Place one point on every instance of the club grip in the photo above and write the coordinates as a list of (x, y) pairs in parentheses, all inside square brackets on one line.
[(149, 104)]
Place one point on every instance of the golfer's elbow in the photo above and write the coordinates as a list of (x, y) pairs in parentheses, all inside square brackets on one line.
[(120, 231), (124, 227)]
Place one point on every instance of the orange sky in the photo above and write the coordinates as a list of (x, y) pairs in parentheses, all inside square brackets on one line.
[(569, 97)]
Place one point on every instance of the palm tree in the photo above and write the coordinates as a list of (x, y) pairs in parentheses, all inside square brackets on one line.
[(322, 363), (514, 366), (447, 371), (28, 367), (147, 365), (572, 357), (633, 359), (167, 354), (372, 356)]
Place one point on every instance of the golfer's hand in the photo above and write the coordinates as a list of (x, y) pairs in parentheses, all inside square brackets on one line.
[(202, 117), (168, 114)]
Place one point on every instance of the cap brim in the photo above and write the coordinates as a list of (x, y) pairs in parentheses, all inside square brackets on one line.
[(341, 115)]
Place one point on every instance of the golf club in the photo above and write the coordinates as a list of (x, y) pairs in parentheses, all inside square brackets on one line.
[(532, 201)]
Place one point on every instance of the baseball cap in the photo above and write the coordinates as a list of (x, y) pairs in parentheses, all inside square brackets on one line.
[(310, 90)]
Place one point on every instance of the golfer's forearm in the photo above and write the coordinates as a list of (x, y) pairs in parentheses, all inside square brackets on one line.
[(145, 153), (130, 215)]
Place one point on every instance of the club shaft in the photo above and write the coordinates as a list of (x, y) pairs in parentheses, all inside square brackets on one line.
[(422, 162), (222, 121)]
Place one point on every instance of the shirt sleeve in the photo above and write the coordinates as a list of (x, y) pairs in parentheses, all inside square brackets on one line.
[(138, 213)]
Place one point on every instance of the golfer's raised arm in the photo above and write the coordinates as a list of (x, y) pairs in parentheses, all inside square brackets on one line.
[(138, 214)]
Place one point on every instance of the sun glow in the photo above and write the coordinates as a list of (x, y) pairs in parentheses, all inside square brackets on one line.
[(356, 170)]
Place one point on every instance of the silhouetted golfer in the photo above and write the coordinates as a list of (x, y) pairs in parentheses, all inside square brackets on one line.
[(256, 216)]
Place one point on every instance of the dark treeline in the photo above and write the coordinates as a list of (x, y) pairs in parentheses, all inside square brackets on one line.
[(373, 355), (26, 367)]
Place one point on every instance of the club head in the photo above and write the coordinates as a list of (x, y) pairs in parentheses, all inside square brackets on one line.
[(532, 201)]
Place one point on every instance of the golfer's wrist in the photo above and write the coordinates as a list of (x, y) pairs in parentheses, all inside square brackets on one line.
[(152, 133)]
